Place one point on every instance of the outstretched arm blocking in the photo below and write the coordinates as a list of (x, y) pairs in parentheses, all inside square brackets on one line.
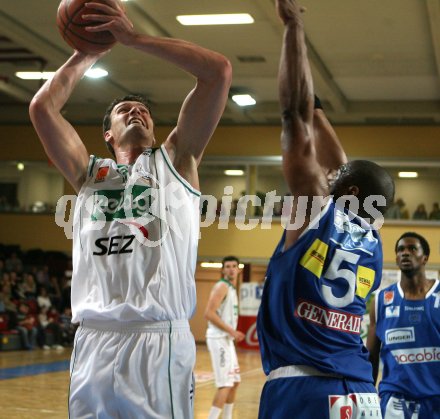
[(301, 167)]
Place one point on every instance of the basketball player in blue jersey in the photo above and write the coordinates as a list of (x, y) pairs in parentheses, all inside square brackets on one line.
[(324, 267), (405, 331), (133, 287)]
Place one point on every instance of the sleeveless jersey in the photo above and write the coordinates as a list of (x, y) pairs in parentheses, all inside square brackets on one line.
[(136, 231), (409, 331), (314, 296), (228, 312)]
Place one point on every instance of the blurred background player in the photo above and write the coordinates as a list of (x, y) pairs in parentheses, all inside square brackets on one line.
[(324, 268), (405, 330), (134, 352), (222, 315)]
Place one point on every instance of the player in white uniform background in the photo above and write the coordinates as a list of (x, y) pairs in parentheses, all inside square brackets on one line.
[(222, 315), (135, 232)]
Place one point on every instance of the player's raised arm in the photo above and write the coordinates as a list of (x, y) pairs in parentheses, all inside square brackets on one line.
[(301, 168), (60, 140)]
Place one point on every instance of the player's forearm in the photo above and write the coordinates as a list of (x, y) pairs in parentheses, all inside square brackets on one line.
[(204, 64), (55, 92), (295, 81), (216, 320)]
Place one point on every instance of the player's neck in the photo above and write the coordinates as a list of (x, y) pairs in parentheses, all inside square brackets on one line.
[(129, 156), (416, 286), (233, 282)]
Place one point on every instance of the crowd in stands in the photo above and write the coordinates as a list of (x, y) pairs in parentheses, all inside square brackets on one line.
[(35, 297), (7, 205), (399, 211)]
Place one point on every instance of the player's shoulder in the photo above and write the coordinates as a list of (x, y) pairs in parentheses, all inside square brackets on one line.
[(388, 295), (221, 285), (95, 163)]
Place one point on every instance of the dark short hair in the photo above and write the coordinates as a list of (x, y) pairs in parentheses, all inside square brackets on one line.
[(230, 259), (107, 122), (369, 177), (423, 242)]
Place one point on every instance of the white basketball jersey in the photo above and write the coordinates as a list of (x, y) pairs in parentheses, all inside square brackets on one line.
[(228, 312), (136, 232)]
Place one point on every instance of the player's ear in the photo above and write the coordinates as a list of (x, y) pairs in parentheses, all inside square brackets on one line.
[(353, 190), (108, 136)]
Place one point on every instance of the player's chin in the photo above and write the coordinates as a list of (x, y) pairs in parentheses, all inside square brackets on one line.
[(137, 131)]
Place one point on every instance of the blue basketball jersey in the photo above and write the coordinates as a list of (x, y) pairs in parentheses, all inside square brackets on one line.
[(410, 334), (315, 293)]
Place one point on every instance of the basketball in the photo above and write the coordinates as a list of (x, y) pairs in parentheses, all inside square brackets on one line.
[(72, 27)]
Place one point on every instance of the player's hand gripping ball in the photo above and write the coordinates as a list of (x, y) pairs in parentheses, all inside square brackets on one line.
[(72, 27)]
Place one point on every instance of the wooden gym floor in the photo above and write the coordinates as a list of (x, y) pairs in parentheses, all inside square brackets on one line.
[(34, 384)]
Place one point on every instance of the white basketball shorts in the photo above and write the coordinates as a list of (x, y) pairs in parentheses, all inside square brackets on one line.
[(224, 361), (132, 370)]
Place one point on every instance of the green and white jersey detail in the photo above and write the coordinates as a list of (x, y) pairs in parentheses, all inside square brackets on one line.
[(228, 312), (136, 231)]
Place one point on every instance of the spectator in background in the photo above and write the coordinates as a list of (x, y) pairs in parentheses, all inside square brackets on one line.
[(54, 292), (13, 263), (29, 287), (397, 211), (4, 204), (67, 327), (420, 213), (2, 303), (42, 276), (49, 321), (26, 324), (6, 296), (17, 286), (435, 212), (43, 299)]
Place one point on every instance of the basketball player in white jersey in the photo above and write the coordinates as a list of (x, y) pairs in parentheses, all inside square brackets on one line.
[(222, 315), (135, 232)]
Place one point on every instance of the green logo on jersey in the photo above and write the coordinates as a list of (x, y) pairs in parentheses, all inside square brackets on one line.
[(120, 204)]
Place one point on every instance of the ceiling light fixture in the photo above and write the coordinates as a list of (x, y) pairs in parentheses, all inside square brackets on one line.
[(234, 172), (244, 100), (93, 73), (35, 75), (20, 166), (217, 265), (96, 73), (211, 265), (408, 175), (219, 19)]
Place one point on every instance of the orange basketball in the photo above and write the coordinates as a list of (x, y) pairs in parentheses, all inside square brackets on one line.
[(72, 27)]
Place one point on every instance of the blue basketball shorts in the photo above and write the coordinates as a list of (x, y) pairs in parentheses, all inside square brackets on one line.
[(323, 397), (398, 406)]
